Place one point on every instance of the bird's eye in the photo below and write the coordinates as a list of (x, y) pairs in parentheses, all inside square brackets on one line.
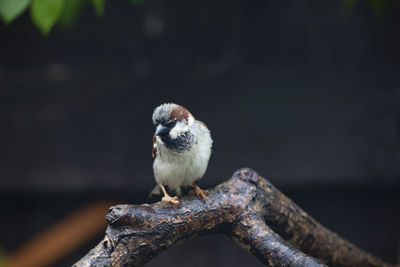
[(170, 123)]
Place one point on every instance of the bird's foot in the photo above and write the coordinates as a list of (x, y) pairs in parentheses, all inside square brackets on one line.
[(199, 192), (172, 200)]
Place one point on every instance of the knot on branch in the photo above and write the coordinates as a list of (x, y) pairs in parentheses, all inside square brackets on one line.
[(116, 215), (123, 215), (247, 174)]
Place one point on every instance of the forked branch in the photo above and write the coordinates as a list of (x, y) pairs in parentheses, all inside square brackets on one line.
[(247, 208)]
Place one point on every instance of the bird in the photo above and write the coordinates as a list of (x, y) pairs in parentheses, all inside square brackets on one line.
[(181, 151)]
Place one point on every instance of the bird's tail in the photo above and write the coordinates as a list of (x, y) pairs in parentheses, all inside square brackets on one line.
[(155, 191)]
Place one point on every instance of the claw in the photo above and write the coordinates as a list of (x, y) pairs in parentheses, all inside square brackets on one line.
[(172, 200), (167, 198), (199, 192)]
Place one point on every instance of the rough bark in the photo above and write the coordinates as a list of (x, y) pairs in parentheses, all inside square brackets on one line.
[(247, 208)]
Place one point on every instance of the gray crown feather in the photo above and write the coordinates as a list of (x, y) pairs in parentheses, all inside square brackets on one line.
[(162, 113)]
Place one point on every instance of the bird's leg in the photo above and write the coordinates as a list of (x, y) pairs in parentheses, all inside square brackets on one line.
[(167, 198), (198, 191)]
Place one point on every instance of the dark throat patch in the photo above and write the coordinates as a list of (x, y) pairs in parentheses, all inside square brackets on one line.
[(182, 143)]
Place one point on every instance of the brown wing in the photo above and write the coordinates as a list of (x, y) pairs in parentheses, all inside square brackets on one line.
[(154, 150), (203, 124)]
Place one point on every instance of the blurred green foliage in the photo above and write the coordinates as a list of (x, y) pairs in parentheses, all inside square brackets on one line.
[(46, 13), (3, 257), (11, 9), (70, 12), (378, 7)]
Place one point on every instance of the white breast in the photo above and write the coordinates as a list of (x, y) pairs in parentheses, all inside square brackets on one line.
[(176, 169)]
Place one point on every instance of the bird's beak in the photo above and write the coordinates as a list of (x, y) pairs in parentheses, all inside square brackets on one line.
[(162, 130)]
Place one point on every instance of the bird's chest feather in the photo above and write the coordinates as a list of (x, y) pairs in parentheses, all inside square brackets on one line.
[(178, 168)]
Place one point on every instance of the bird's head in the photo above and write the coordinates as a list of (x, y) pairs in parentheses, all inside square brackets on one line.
[(173, 124)]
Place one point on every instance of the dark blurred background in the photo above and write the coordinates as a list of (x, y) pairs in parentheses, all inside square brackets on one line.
[(304, 92)]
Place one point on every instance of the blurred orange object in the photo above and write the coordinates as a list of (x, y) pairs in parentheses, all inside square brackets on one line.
[(62, 238)]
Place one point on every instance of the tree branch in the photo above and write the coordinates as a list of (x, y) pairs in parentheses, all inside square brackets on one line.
[(247, 208)]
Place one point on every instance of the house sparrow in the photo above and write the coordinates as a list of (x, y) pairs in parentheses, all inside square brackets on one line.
[(181, 147)]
